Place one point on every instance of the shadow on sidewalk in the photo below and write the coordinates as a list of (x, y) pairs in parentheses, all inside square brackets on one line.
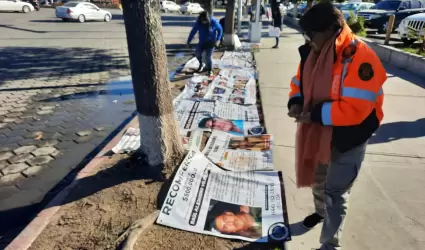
[(405, 75), (34, 62), (398, 130)]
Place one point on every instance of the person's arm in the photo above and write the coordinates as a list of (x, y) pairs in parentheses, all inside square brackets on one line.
[(195, 29), (295, 96), (361, 88), (219, 30)]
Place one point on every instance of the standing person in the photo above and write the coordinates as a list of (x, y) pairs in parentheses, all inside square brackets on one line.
[(336, 98), (210, 33), (277, 22)]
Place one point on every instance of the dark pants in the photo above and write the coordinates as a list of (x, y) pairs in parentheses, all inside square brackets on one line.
[(209, 49), (277, 41)]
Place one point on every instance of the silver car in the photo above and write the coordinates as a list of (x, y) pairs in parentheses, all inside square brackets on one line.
[(82, 11)]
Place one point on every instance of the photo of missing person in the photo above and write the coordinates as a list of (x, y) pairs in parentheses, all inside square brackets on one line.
[(219, 91), (238, 91), (233, 219), (217, 97), (254, 143), (238, 100), (235, 127), (239, 85)]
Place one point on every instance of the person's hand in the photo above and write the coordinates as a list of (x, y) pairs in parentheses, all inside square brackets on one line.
[(304, 118), (295, 111)]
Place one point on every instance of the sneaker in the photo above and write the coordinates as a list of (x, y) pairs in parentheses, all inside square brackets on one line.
[(312, 220), (210, 73)]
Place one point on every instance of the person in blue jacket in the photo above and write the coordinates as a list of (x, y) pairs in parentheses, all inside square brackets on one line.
[(210, 33)]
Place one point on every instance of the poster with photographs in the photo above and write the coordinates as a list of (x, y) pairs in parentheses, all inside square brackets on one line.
[(240, 153), (236, 205), (225, 89)]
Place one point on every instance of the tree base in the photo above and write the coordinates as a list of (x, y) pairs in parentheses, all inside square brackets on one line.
[(228, 40), (159, 140)]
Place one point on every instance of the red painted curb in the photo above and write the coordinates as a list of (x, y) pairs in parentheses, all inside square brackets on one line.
[(24, 240)]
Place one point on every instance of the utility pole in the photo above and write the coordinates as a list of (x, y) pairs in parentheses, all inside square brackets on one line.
[(239, 17), (229, 30), (159, 137)]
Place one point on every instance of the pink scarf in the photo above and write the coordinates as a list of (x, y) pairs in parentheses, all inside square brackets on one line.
[(313, 141)]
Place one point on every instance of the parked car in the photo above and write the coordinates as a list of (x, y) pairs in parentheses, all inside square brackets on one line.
[(191, 8), (354, 7), (301, 8), (16, 6), (169, 6), (34, 3), (412, 28), (62, 2), (82, 11), (377, 16)]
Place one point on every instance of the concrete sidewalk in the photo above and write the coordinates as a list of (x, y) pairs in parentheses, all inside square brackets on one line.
[(387, 202)]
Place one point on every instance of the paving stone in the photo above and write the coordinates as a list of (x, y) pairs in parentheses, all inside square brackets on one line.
[(4, 108), (27, 142), (24, 150), (83, 139), (31, 171), (10, 178), (5, 155), (7, 119), (3, 164), (20, 158), (7, 191), (4, 112), (36, 128), (44, 112), (101, 128), (14, 168), (3, 125), (46, 107), (44, 151), (65, 144), (19, 105), (40, 160), (19, 109), (52, 135), (15, 132), (84, 133), (14, 114), (45, 143), (56, 154)]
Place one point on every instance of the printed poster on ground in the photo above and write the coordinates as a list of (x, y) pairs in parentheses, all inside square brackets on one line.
[(237, 205), (240, 153)]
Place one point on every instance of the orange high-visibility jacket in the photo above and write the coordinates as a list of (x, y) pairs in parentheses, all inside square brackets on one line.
[(356, 96)]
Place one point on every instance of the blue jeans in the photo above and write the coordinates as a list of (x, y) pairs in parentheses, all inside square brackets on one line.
[(200, 48)]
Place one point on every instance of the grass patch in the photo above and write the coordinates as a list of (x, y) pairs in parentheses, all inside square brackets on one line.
[(414, 48)]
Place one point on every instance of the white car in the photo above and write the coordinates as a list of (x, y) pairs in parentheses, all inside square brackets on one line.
[(169, 6), (82, 11), (412, 28), (15, 5), (191, 8)]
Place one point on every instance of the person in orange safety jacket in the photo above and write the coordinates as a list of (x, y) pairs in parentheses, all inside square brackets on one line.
[(352, 110)]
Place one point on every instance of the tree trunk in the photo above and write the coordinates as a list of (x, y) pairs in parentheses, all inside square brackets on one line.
[(160, 140), (229, 29)]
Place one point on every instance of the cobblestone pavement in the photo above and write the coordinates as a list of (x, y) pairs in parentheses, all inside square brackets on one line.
[(64, 88)]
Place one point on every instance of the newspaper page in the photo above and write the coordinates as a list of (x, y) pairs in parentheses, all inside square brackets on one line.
[(192, 139), (235, 127), (225, 89), (237, 205), (189, 113), (236, 153), (236, 112), (196, 88), (238, 73), (238, 59)]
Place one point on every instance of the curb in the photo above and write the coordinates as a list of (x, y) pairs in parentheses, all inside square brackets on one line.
[(412, 63), (28, 235)]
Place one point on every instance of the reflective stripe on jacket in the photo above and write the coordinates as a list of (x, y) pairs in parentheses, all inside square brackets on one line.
[(356, 96)]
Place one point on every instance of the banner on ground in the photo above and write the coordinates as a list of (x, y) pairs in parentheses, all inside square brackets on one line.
[(238, 205), (189, 113), (237, 59), (237, 153), (196, 88)]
